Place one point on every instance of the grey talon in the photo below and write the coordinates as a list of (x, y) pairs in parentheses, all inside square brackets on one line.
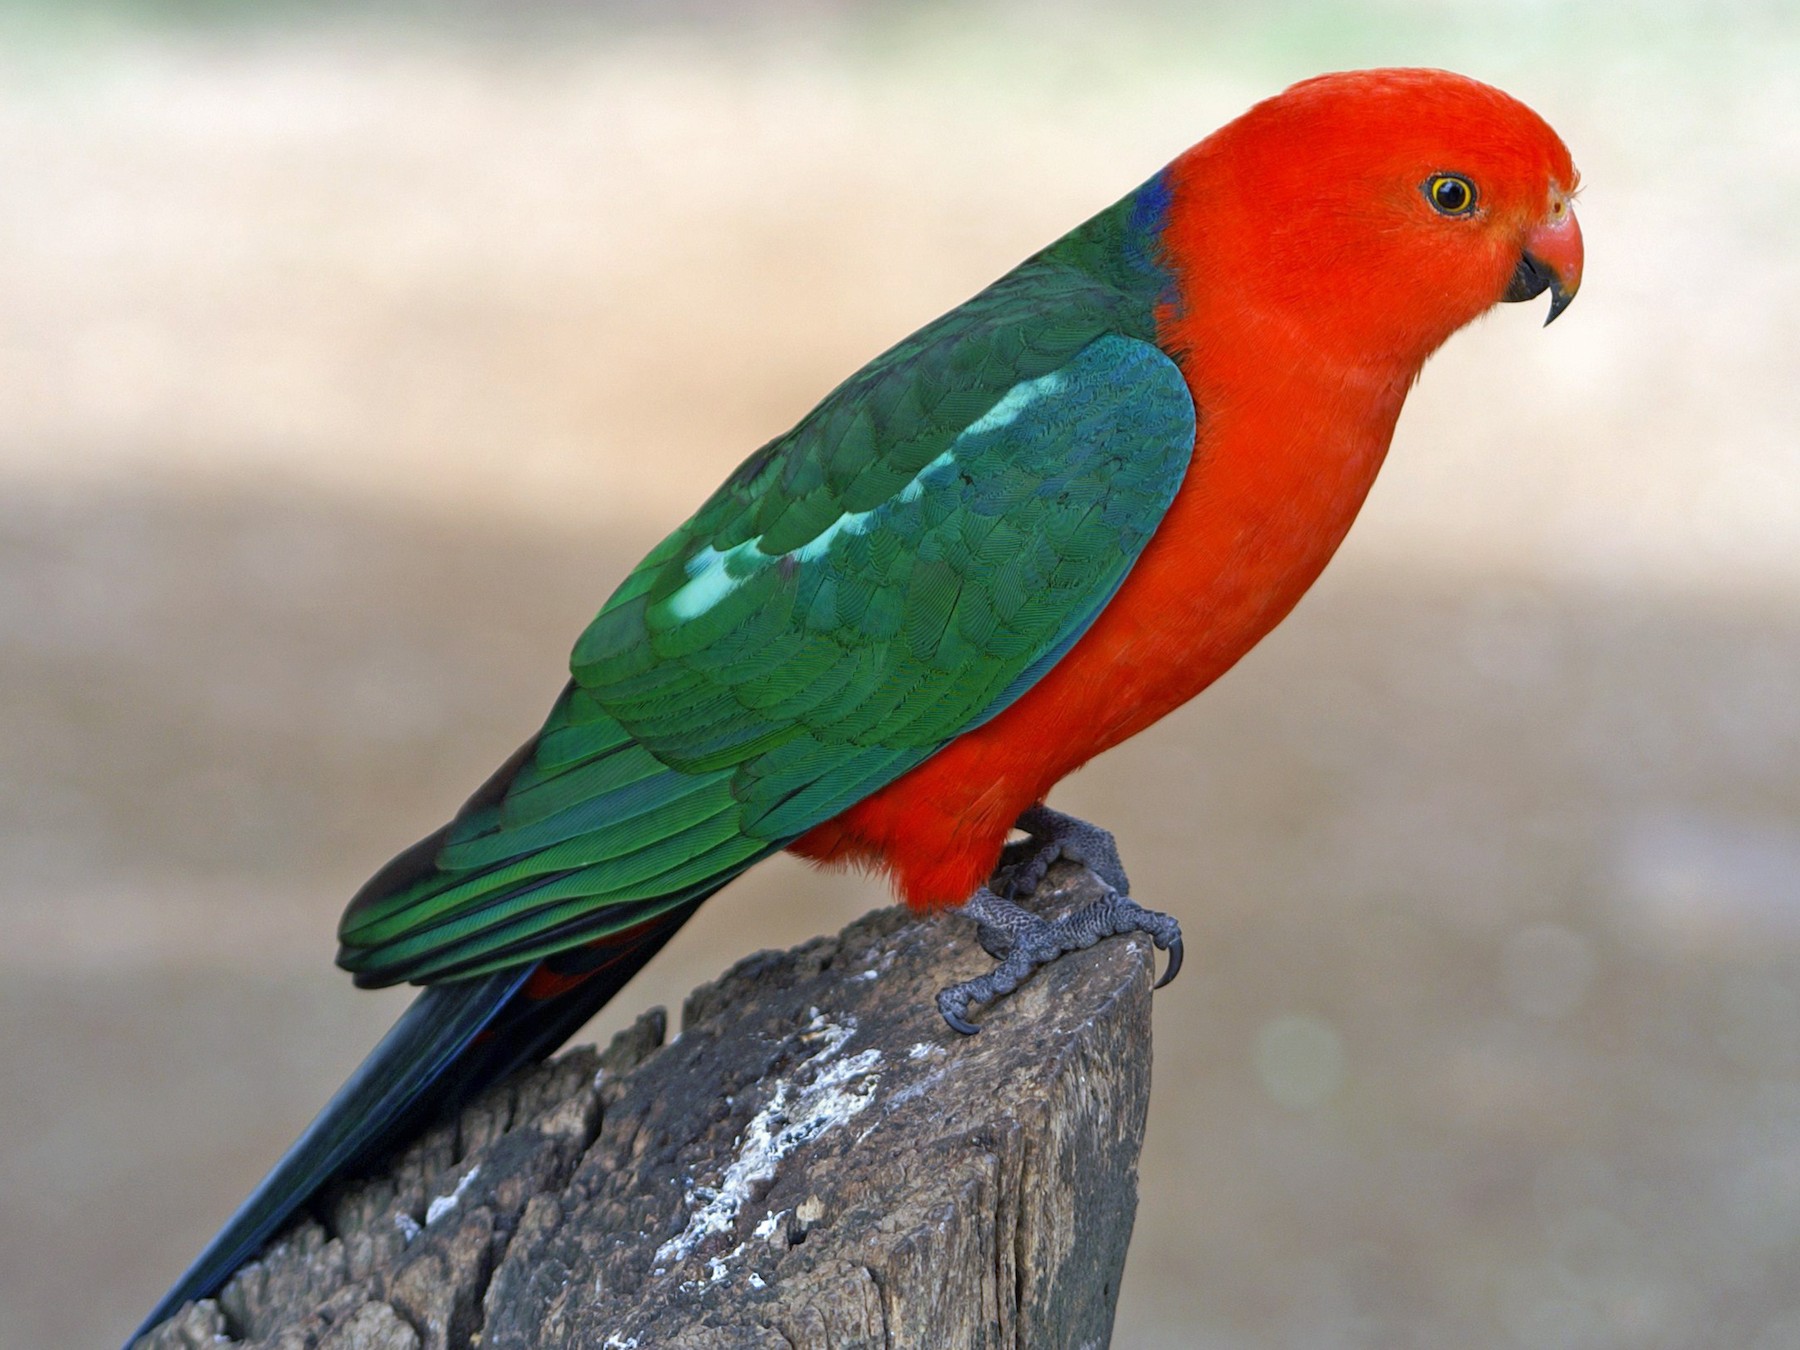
[(1174, 967), (1021, 942), (953, 1009)]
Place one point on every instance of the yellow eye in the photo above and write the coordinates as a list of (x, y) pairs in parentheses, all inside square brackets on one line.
[(1450, 193)]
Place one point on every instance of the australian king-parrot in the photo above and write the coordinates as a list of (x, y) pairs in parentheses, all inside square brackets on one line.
[(1011, 541)]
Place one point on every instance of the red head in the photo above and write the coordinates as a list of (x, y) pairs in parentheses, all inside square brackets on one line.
[(1371, 214)]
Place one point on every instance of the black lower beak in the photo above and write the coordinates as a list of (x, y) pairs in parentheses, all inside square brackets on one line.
[(1530, 279)]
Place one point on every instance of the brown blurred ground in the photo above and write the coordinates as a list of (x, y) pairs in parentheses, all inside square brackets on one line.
[(345, 367)]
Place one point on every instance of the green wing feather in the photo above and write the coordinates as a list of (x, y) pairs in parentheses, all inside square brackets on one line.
[(890, 574)]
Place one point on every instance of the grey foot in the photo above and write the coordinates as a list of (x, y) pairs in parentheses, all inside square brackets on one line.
[(1054, 835), (1022, 942)]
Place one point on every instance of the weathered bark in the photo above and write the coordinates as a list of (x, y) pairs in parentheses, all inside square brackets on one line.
[(817, 1160)]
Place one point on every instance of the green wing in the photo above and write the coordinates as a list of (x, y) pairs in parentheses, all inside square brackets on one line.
[(892, 573)]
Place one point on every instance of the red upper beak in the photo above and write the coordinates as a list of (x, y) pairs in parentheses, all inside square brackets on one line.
[(1551, 260)]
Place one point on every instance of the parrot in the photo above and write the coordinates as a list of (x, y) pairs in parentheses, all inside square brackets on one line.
[(1015, 539)]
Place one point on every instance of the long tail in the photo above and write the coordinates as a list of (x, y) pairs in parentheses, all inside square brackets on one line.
[(454, 1040)]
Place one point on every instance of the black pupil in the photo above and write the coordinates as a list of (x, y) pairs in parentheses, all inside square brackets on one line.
[(1452, 194)]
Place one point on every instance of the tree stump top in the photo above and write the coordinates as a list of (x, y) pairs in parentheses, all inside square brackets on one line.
[(816, 1160)]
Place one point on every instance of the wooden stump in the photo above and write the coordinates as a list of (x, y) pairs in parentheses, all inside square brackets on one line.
[(816, 1160)]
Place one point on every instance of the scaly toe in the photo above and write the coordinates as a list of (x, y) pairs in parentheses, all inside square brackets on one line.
[(1028, 942), (1066, 836)]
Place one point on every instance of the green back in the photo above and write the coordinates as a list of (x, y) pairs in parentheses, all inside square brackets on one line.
[(891, 573)]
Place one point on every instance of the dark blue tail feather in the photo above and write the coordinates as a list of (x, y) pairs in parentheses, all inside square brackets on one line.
[(453, 1041), (381, 1098)]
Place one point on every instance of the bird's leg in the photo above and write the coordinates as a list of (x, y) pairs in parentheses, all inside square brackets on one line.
[(1054, 835), (1021, 941)]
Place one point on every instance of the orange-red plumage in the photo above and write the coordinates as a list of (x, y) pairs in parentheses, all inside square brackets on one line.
[(1314, 280)]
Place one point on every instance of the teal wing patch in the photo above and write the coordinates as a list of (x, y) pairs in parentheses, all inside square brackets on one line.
[(890, 575), (822, 670)]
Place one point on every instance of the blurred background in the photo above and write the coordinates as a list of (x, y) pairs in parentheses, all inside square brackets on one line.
[(349, 355)]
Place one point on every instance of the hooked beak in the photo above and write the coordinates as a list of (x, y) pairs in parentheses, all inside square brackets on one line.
[(1551, 261)]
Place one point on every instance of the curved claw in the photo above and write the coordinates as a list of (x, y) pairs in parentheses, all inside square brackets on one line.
[(953, 1015), (1174, 966)]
